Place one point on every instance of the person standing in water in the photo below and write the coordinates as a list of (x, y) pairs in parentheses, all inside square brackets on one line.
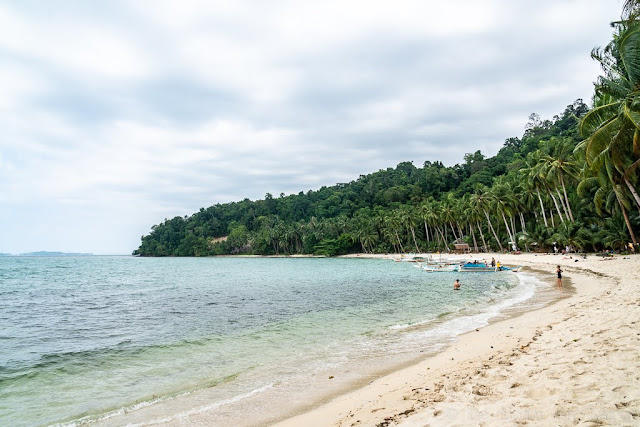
[(456, 285), (559, 272)]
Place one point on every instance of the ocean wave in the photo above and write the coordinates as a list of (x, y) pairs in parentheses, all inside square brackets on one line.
[(411, 325), (183, 415), (168, 419)]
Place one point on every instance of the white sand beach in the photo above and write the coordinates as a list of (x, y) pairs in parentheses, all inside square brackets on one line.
[(575, 362)]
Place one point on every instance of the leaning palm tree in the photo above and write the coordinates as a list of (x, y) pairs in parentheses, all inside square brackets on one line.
[(608, 195), (448, 213), (394, 223), (482, 200), (427, 215), (533, 179), (541, 175), (612, 128), (406, 217), (559, 165), (503, 201)]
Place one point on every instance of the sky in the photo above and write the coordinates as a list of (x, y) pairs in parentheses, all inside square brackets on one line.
[(116, 115)]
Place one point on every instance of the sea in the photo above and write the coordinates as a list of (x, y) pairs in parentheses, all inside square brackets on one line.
[(121, 340)]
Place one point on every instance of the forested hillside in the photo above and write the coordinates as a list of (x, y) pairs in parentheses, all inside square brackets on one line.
[(571, 180)]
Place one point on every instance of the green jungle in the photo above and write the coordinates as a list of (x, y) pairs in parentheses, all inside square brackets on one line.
[(569, 181)]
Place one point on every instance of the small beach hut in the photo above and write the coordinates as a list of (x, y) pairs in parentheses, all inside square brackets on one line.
[(461, 248)]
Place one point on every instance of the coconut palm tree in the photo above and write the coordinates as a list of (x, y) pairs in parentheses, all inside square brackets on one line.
[(609, 193), (612, 127), (394, 222), (427, 215), (448, 214), (482, 199), (559, 165), (540, 175), (406, 217), (503, 202), (533, 179)]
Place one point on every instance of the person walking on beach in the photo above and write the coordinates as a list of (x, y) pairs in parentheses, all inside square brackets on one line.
[(456, 285), (559, 271)]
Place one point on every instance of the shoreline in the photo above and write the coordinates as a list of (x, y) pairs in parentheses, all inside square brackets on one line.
[(517, 369), (204, 407)]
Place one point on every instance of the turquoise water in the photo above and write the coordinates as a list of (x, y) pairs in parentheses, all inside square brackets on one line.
[(117, 340)]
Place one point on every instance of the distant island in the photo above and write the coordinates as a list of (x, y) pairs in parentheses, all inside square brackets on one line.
[(46, 253)]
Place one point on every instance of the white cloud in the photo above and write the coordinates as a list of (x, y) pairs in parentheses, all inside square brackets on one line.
[(72, 46)]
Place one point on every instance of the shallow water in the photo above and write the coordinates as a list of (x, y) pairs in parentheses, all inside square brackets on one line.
[(119, 340)]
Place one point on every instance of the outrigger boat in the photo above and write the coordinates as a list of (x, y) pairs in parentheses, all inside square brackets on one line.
[(411, 258), (433, 268), (481, 267)]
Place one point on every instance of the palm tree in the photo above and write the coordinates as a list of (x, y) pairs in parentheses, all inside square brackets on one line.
[(447, 214), (560, 164), (394, 223), (540, 175), (427, 215), (608, 194), (503, 201), (407, 218), (482, 200), (528, 199), (468, 216), (612, 127), (534, 179)]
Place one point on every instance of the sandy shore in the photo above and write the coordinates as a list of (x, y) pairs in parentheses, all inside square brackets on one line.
[(576, 362)]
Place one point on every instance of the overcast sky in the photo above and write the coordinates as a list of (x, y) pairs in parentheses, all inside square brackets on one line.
[(115, 115)]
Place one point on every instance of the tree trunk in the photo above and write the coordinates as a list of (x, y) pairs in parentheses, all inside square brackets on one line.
[(633, 192), (524, 230), (413, 233), (455, 236), (484, 243), (475, 244), (542, 208), (513, 240), (444, 240), (565, 196), (556, 204), (564, 207), (426, 232), (492, 229), (435, 232), (399, 242), (626, 219)]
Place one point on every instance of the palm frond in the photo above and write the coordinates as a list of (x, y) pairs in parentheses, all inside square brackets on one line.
[(600, 139), (598, 117), (630, 53)]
